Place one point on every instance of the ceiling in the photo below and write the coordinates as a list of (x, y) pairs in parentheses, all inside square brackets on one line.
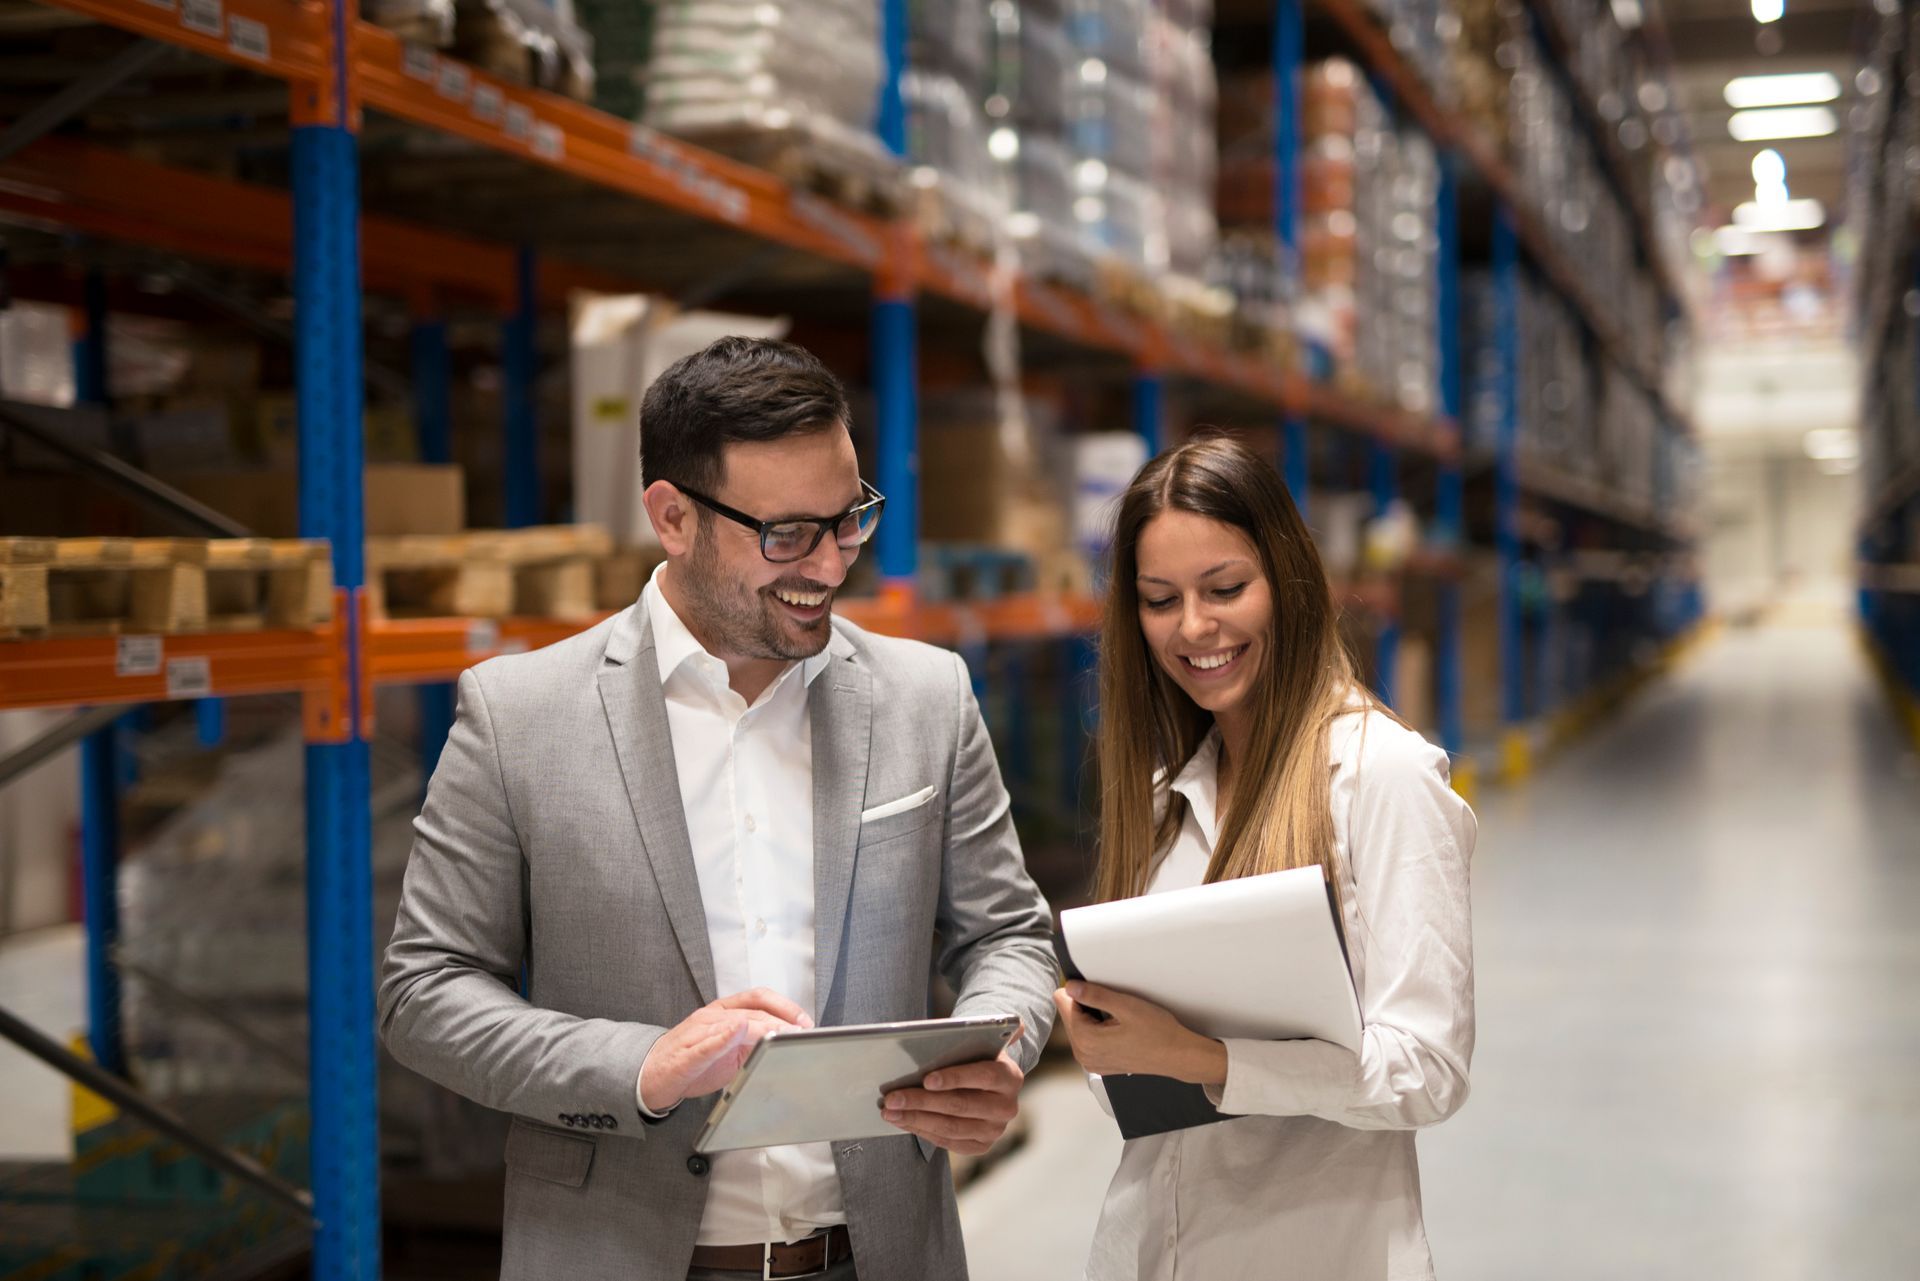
[(1712, 41)]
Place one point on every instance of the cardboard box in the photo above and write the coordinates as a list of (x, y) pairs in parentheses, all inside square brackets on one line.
[(401, 498)]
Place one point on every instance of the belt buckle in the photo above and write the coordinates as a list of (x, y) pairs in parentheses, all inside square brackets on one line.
[(766, 1262)]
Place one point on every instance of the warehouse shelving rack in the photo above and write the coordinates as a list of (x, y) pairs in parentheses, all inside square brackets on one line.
[(336, 69), (1888, 537)]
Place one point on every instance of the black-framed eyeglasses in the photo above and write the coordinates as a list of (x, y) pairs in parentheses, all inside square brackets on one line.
[(784, 541)]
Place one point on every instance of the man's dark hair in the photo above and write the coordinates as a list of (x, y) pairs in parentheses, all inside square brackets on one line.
[(732, 390)]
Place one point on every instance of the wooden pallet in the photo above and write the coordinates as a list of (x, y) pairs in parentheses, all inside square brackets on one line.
[(96, 586), (970, 571), (546, 571), (621, 575), (258, 582), (859, 177)]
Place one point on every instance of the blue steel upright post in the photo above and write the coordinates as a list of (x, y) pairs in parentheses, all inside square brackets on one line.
[(1450, 489), (520, 340), (1150, 410), (895, 342), (1384, 480), (433, 430), (1289, 56), (1515, 752), (327, 350), (101, 766)]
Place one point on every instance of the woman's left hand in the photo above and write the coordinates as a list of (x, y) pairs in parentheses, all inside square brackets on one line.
[(1137, 1036)]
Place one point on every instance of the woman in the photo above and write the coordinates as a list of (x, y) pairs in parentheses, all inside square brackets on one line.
[(1221, 666)]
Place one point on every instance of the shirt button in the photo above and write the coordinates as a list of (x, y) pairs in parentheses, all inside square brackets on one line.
[(750, 823), (759, 927)]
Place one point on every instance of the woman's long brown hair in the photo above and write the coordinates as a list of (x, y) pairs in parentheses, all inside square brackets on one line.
[(1279, 815)]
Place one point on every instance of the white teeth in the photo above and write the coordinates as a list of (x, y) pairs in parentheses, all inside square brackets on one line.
[(803, 600), (1216, 660)]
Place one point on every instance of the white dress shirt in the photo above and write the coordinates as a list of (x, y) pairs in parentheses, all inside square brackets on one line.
[(746, 785), (1315, 1177)]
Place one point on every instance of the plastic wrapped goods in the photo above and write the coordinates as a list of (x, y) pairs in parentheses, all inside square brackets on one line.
[(718, 65)]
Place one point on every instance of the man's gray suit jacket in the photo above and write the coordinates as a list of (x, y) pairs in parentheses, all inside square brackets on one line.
[(553, 837)]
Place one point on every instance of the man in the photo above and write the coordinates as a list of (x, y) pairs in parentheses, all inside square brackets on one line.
[(718, 814)]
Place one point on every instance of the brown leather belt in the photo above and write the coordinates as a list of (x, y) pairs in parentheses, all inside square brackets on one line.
[(804, 1258)]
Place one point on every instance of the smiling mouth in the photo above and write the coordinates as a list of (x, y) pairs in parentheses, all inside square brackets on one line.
[(1210, 664), (802, 600)]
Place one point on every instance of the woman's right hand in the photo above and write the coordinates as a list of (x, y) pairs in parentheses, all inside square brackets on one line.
[(1137, 1036)]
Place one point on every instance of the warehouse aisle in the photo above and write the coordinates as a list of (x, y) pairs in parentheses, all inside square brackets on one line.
[(1699, 1000)]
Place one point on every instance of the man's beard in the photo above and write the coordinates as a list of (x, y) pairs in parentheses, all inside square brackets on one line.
[(744, 621)]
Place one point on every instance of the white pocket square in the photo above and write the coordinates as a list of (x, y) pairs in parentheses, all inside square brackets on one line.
[(900, 806)]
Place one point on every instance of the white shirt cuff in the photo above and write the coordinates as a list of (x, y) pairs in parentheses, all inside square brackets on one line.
[(639, 1093)]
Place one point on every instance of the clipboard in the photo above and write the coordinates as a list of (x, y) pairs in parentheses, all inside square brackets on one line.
[(825, 1084), (1262, 957)]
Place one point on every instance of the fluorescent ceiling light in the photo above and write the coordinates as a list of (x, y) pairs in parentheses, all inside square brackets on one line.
[(1769, 169), (1768, 10), (1831, 443), (1739, 242), (1782, 122), (1745, 92), (1780, 215), (1628, 14)]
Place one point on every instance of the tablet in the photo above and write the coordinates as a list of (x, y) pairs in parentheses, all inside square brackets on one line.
[(825, 1084)]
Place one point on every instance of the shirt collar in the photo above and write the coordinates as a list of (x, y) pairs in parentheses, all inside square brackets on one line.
[(674, 645), (1199, 784)]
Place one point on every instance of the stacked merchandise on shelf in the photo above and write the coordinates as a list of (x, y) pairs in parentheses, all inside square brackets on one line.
[(737, 74), (1025, 105), (1109, 106), (1580, 417), (945, 90), (531, 42), (1561, 180), (1184, 157), (1369, 266), (1509, 86), (1101, 113), (1424, 32)]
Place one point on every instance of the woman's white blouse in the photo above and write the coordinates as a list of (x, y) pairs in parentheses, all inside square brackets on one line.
[(1315, 1177)]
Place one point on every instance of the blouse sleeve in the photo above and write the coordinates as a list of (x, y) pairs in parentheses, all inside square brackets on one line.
[(1410, 839)]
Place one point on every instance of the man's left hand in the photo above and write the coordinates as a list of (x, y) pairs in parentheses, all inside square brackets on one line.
[(964, 1109)]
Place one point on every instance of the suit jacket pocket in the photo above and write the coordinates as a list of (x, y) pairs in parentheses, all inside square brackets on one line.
[(901, 823), (549, 1154)]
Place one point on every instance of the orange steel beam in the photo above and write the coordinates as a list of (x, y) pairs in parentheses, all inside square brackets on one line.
[(118, 196), (283, 38), (64, 672)]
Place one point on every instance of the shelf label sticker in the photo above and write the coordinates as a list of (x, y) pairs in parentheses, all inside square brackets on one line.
[(519, 122), (249, 38), (518, 645), (190, 677), (204, 16), (489, 103), (138, 656), (548, 142), (420, 62), (483, 636), (725, 199), (168, 5), (456, 82)]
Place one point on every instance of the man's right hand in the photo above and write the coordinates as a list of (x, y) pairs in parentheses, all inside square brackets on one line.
[(701, 1053)]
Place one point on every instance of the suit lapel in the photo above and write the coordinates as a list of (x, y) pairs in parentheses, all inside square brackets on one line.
[(840, 707), (636, 711)]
